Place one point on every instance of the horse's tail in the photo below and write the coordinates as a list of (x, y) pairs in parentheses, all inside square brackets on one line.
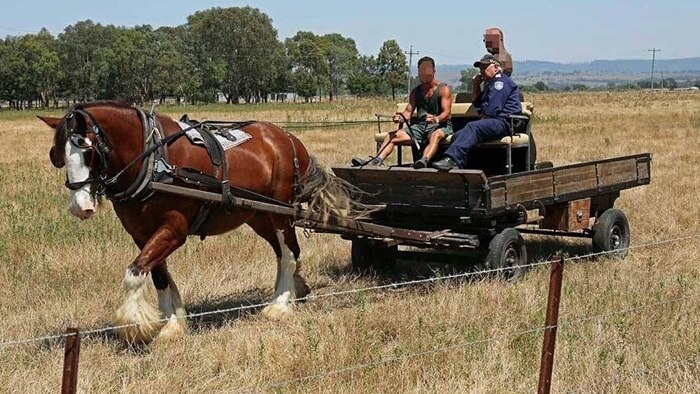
[(327, 195)]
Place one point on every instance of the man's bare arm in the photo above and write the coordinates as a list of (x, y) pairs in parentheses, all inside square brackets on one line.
[(446, 102)]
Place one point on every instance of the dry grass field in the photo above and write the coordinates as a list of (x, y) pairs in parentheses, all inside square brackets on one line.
[(56, 271)]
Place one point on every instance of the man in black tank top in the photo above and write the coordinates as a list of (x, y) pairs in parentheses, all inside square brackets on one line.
[(433, 102)]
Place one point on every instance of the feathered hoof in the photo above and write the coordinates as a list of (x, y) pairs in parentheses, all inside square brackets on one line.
[(142, 324), (175, 328), (277, 311)]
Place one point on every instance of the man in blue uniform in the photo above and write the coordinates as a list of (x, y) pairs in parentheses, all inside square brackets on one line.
[(500, 98)]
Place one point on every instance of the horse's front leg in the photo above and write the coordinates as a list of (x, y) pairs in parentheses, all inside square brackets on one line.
[(141, 322)]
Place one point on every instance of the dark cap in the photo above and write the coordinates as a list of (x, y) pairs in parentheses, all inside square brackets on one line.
[(487, 59)]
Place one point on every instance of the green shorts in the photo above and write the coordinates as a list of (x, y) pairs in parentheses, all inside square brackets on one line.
[(422, 131)]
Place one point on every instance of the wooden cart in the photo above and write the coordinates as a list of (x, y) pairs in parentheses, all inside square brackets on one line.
[(466, 210)]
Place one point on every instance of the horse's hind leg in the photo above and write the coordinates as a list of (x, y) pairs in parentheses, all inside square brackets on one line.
[(289, 284), (169, 303)]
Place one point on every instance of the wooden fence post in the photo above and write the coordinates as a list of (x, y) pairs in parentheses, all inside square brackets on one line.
[(69, 384), (552, 320)]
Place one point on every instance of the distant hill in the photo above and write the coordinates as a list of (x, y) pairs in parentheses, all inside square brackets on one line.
[(530, 68), (615, 66)]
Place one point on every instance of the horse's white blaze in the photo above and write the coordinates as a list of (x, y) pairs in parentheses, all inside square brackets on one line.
[(81, 203), (285, 290)]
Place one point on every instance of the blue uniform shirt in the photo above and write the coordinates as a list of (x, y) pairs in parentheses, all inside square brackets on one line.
[(500, 98)]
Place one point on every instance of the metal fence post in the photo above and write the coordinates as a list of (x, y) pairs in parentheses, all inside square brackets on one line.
[(552, 320), (69, 384)]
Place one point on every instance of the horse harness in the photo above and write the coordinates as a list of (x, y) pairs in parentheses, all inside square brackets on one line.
[(155, 166)]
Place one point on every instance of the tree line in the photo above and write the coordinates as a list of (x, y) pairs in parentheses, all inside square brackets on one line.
[(232, 52)]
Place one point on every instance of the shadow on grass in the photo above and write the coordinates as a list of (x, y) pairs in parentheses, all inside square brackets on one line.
[(209, 317), (425, 265)]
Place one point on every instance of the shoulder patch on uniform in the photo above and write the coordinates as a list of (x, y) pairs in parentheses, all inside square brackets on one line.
[(498, 85)]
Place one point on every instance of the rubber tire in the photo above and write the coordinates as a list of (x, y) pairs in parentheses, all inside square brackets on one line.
[(507, 249), (611, 231), (366, 255)]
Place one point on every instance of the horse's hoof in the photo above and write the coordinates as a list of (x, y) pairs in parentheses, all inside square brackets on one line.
[(133, 333), (277, 311), (175, 328)]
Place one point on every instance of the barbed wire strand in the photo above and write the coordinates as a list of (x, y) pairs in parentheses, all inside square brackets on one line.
[(587, 388), (562, 323), (10, 343)]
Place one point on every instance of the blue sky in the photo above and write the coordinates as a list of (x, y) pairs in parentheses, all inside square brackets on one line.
[(449, 30)]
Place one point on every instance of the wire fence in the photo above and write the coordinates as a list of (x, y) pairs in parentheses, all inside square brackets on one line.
[(15, 342), (385, 361), (496, 338), (328, 124), (693, 360)]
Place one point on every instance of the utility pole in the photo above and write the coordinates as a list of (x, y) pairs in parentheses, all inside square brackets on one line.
[(653, 59), (410, 54)]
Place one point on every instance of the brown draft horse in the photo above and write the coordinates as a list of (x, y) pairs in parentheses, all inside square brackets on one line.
[(159, 225)]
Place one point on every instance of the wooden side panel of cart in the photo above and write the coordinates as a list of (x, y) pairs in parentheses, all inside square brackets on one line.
[(567, 183)]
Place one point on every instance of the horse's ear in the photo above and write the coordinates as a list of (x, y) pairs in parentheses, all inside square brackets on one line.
[(51, 121)]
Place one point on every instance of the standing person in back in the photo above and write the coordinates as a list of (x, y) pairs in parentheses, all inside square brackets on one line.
[(433, 102), (493, 40)]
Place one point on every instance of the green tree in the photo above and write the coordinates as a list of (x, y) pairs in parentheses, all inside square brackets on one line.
[(13, 65), (128, 65), (364, 78), (465, 80), (306, 53), (392, 66), (241, 39), (177, 72), (40, 79), (541, 86), (78, 46), (669, 83), (340, 55), (305, 84)]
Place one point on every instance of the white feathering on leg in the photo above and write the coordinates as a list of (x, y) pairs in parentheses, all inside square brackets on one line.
[(286, 289), (170, 304), (137, 311)]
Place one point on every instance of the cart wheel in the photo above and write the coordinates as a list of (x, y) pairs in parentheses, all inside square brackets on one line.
[(612, 232), (366, 254), (507, 249)]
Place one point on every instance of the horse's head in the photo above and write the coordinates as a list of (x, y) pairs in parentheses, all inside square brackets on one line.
[(75, 147)]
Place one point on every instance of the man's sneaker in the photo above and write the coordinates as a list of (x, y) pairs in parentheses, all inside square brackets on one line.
[(445, 164), (422, 163), (359, 161)]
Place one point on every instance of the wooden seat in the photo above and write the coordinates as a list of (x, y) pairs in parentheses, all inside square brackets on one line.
[(462, 113), (517, 140)]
